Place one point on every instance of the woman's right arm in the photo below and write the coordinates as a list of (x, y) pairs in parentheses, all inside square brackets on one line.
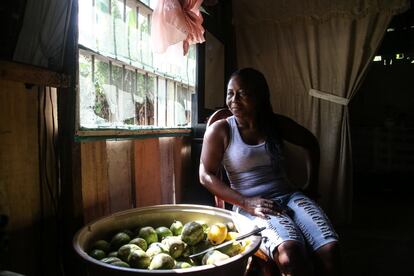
[(214, 145)]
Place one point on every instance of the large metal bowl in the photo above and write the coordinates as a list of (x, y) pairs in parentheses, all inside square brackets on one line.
[(164, 215)]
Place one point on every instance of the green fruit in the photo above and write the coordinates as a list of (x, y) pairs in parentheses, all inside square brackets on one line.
[(187, 251), (230, 226), (161, 261), (119, 240), (192, 233), (201, 246), (156, 248), (113, 254), (176, 227), (102, 245), (125, 250), (139, 259), (197, 248), (182, 265), (231, 249), (163, 232), (97, 254), (110, 260), (148, 234), (174, 245), (213, 257), (128, 232), (140, 242), (120, 264)]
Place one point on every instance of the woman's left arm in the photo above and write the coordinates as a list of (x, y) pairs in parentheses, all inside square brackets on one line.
[(296, 134)]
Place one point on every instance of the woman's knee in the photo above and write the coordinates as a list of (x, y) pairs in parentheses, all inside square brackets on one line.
[(328, 258), (291, 256)]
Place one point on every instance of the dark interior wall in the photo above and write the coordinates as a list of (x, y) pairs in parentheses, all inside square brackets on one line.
[(382, 114), (385, 97), (11, 19)]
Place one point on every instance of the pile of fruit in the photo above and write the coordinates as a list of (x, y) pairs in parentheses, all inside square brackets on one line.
[(168, 247)]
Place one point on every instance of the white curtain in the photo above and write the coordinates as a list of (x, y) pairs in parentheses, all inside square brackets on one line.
[(43, 35), (314, 54)]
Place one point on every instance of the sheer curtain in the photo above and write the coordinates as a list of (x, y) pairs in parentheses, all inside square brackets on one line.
[(42, 38), (314, 55)]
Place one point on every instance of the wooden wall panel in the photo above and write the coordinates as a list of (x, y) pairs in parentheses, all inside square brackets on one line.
[(162, 168), (95, 188), (21, 194), (120, 175), (147, 172), (167, 180), (182, 166)]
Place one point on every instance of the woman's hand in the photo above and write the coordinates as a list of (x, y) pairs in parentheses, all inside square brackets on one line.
[(261, 207)]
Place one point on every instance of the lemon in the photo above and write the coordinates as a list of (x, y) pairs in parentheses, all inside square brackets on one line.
[(231, 235), (217, 233), (231, 249), (213, 257), (244, 244)]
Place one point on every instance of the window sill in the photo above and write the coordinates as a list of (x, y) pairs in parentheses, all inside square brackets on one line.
[(121, 134)]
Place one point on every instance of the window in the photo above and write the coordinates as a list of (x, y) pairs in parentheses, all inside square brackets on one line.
[(123, 86)]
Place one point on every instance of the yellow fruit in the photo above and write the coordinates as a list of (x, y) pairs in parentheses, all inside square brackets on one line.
[(231, 249), (244, 244), (217, 233), (231, 235), (213, 257)]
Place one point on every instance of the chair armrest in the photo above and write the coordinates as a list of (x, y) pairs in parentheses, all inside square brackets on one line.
[(219, 202)]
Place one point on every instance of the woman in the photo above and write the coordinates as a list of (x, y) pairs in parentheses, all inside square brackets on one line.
[(249, 145)]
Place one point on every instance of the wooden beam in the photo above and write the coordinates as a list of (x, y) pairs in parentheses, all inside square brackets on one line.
[(32, 75), (137, 133)]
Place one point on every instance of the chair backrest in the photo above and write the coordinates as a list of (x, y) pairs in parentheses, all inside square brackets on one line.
[(218, 115), (296, 158)]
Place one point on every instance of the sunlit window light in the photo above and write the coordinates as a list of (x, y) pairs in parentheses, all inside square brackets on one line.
[(390, 29), (399, 56), (377, 58)]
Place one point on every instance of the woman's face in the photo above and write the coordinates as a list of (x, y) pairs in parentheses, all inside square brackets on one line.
[(239, 100)]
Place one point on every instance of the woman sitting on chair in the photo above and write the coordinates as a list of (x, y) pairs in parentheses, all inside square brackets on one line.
[(249, 145)]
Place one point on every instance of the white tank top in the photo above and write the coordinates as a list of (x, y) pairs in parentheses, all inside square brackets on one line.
[(249, 167)]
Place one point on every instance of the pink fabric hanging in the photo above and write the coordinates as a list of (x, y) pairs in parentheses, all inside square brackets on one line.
[(174, 21)]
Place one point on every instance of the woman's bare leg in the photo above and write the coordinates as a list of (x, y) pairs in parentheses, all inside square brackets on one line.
[(292, 259), (328, 260)]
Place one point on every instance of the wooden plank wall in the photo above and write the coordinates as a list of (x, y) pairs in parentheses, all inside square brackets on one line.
[(115, 176), (118, 175), (28, 178)]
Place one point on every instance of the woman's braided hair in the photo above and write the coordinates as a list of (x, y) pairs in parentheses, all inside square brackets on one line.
[(256, 85)]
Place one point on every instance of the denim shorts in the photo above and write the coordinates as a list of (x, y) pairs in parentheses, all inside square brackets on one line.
[(304, 221)]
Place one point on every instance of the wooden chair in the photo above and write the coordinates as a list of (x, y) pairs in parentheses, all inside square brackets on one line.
[(296, 162)]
